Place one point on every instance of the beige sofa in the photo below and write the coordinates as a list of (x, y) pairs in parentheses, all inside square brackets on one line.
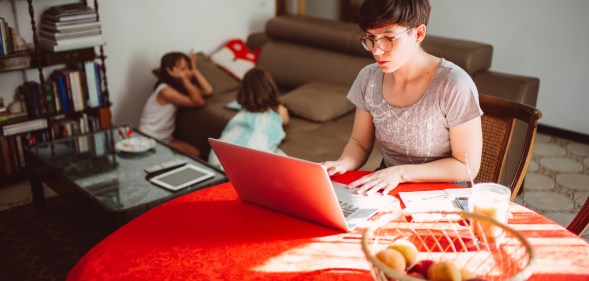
[(314, 62)]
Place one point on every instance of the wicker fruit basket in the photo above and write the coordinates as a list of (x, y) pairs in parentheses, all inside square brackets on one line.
[(451, 237)]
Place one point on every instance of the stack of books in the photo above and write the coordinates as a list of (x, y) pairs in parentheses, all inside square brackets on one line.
[(69, 27)]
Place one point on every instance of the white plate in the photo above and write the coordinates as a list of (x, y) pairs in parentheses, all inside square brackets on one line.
[(135, 144)]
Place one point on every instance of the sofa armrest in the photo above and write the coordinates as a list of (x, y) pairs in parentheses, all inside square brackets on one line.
[(522, 89), (256, 40)]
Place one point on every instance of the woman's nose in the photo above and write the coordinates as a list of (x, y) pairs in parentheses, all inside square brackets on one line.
[(376, 50)]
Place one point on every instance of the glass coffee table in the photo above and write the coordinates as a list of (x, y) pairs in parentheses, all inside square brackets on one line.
[(94, 174)]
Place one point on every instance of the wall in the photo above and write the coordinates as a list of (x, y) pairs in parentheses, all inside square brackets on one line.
[(541, 38), (139, 32)]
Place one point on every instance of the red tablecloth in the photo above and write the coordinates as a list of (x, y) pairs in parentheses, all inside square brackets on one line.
[(212, 235)]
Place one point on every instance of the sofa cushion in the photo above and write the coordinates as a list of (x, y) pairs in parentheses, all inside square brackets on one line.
[(519, 88), (293, 65), (219, 79), (326, 34), (235, 57), (318, 101)]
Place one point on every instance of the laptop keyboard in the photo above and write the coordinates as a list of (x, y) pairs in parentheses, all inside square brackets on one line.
[(348, 208)]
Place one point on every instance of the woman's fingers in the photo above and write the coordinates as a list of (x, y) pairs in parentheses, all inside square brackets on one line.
[(374, 183)]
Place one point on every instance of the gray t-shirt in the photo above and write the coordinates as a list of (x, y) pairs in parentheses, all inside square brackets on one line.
[(418, 133)]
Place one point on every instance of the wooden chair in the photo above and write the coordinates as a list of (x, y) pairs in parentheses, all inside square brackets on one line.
[(498, 121), (581, 220)]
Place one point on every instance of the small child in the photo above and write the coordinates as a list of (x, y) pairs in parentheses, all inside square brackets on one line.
[(180, 83), (259, 122)]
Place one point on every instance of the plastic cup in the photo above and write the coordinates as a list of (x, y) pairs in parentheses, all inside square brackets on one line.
[(492, 200)]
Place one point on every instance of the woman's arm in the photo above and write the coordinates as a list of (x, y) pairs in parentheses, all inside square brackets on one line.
[(465, 139), (283, 112), (358, 147), (194, 98), (171, 95), (205, 86)]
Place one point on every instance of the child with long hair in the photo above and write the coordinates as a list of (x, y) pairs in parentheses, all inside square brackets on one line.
[(259, 123), (180, 84)]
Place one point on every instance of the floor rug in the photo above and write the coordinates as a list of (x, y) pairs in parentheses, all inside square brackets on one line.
[(44, 246)]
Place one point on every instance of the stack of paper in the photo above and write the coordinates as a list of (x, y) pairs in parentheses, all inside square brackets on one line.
[(426, 203)]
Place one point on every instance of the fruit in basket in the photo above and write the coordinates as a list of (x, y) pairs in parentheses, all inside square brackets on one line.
[(467, 275), (392, 258), (421, 267), (444, 271), (407, 249), (416, 275)]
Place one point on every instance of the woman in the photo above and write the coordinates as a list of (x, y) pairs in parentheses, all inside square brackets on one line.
[(422, 110)]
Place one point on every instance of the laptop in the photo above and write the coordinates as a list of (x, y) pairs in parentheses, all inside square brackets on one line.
[(296, 187)]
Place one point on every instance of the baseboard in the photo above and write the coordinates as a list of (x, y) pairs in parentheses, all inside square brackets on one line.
[(561, 133)]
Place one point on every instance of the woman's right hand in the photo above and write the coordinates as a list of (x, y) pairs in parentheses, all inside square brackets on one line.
[(335, 167)]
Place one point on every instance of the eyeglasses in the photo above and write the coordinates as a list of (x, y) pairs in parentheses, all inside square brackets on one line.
[(384, 43)]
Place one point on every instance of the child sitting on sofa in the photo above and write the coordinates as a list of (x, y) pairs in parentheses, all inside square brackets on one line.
[(180, 83), (259, 122)]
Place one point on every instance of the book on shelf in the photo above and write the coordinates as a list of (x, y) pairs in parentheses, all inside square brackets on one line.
[(62, 89), (6, 156), (86, 54), (12, 156), (2, 34), (69, 9), (90, 24), (10, 42), (69, 12), (76, 90), (68, 27), (2, 170), (59, 36), (25, 126), (21, 153), (93, 40), (93, 84), (31, 92), (71, 44), (7, 38)]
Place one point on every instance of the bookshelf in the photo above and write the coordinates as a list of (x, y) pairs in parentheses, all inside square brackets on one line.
[(66, 101)]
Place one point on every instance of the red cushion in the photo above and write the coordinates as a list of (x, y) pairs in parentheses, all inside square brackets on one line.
[(236, 58)]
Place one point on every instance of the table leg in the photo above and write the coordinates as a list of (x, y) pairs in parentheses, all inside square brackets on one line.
[(37, 192)]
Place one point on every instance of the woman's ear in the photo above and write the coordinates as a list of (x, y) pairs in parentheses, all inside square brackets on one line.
[(420, 33)]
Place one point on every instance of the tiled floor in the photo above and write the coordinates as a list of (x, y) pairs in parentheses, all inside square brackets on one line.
[(557, 181), (556, 185)]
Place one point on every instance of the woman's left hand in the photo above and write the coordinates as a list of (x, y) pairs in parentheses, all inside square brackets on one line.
[(385, 180), (193, 59)]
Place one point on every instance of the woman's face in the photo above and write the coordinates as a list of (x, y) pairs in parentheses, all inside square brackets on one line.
[(401, 39), (182, 66)]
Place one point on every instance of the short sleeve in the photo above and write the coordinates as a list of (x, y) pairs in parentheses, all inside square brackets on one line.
[(461, 104), (357, 92)]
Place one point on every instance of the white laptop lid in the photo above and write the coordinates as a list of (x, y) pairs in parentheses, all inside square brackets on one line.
[(289, 185)]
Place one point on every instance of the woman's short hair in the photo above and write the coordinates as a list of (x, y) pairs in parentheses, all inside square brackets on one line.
[(258, 92), (381, 13)]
